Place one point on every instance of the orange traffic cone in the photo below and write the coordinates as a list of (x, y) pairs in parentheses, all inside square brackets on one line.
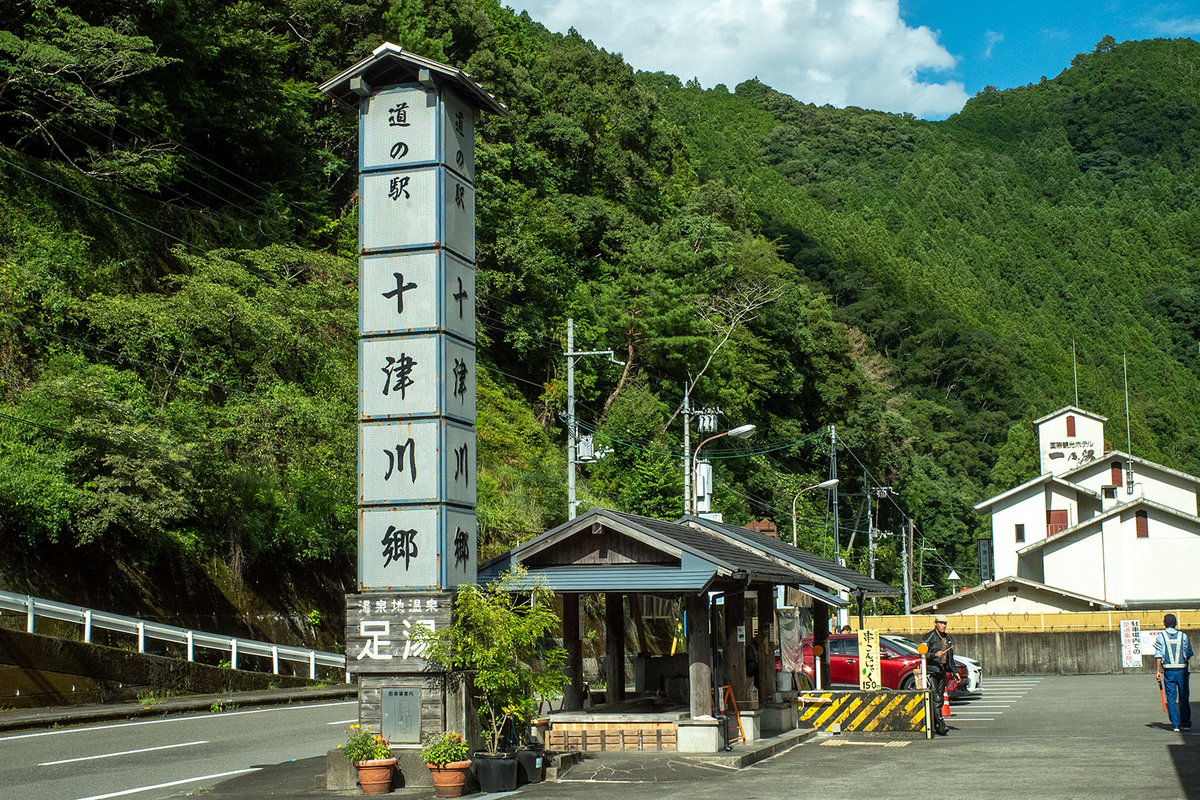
[(946, 704)]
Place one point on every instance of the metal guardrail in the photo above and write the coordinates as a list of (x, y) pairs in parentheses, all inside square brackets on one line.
[(34, 607)]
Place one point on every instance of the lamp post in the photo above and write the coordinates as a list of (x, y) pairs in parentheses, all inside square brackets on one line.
[(829, 484), (740, 432)]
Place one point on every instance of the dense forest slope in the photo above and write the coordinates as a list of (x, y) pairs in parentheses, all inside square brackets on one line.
[(178, 289)]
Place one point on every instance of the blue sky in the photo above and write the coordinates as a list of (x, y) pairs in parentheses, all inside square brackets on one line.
[(925, 57)]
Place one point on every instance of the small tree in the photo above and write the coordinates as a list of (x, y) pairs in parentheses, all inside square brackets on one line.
[(496, 636)]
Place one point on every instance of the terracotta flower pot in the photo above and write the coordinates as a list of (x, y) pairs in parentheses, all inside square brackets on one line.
[(375, 777), (449, 780)]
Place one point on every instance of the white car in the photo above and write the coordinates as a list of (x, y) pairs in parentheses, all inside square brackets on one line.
[(974, 670)]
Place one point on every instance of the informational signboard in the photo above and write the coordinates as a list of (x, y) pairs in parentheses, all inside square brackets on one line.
[(379, 629), (869, 677), (417, 448), (1131, 643), (1147, 639)]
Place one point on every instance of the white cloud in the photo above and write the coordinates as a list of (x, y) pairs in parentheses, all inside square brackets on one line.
[(840, 52), (992, 39), (1179, 26)]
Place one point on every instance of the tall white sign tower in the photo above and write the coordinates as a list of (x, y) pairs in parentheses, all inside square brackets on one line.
[(417, 464)]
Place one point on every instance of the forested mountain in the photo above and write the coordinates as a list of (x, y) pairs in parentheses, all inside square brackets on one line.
[(178, 288)]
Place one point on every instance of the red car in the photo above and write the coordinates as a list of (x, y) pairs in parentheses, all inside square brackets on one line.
[(897, 670)]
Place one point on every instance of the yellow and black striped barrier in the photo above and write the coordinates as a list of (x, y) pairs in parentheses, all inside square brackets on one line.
[(866, 712)]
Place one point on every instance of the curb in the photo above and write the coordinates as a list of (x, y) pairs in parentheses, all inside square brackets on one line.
[(764, 749)]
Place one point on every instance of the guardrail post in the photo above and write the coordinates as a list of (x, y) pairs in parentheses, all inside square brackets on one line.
[(87, 626), (233, 653), (312, 665), (191, 653), (274, 659), (29, 613), (141, 637)]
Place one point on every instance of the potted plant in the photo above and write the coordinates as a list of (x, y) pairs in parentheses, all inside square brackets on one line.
[(494, 637), (371, 756), (446, 756)]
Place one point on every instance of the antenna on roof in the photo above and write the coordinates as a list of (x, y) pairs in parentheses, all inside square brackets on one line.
[(1075, 369)]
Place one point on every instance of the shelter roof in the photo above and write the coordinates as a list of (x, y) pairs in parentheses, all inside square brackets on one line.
[(610, 551), (970, 595)]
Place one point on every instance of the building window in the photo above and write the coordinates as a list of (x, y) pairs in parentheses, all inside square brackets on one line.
[(1115, 469), (1020, 533), (1143, 525), (1070, 426)]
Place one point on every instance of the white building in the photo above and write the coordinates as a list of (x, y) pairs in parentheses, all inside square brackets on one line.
[(1110, 527)]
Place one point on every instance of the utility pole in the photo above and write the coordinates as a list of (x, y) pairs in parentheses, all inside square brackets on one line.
[(837, 557), (572, 424), (572, 431), (908, 541), (687, 453)]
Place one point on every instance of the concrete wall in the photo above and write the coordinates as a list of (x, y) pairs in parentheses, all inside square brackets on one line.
[(1048, 653), (1027, 508), (38, 671)]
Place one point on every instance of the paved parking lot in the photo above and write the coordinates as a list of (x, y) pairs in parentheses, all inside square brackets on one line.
[(1096, 736)]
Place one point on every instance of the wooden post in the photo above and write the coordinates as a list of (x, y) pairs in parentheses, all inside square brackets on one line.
[(766, 649), (614, 646), (821, 637), (735, 651), (699, 643), (573, 690)]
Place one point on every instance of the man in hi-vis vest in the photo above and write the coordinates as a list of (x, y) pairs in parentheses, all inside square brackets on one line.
[(1172, 649)]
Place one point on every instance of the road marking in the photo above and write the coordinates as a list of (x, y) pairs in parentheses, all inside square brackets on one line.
[(840, 742), (122, 753), (199, 717), (172, 783), (343, 721)]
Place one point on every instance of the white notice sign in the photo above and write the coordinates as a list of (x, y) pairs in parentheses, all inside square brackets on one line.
[(1131, 643)]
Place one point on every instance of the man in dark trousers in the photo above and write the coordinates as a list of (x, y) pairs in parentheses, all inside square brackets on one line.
[(939, 662), (1172, 649)]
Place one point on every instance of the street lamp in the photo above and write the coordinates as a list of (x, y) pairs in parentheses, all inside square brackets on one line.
[(829, 484), (740, 432)]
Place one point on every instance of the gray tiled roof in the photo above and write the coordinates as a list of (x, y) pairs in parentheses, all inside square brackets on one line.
[(718, 547), (838, 575)]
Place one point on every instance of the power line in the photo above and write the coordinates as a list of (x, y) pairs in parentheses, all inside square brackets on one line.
[(102, 205)]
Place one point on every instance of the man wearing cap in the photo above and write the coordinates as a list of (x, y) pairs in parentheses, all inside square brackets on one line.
[(939, 661), (1172, 649)]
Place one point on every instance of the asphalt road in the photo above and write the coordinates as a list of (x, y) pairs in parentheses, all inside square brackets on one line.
[(1102, 736), (163, 756)]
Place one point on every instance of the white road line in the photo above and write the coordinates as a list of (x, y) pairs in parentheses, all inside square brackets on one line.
[(197, 718), (122, 753), (343, 721), (974, 706), (977, 719), (172, 783)]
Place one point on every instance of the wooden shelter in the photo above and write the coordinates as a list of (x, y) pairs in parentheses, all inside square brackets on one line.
[(692, 560)]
